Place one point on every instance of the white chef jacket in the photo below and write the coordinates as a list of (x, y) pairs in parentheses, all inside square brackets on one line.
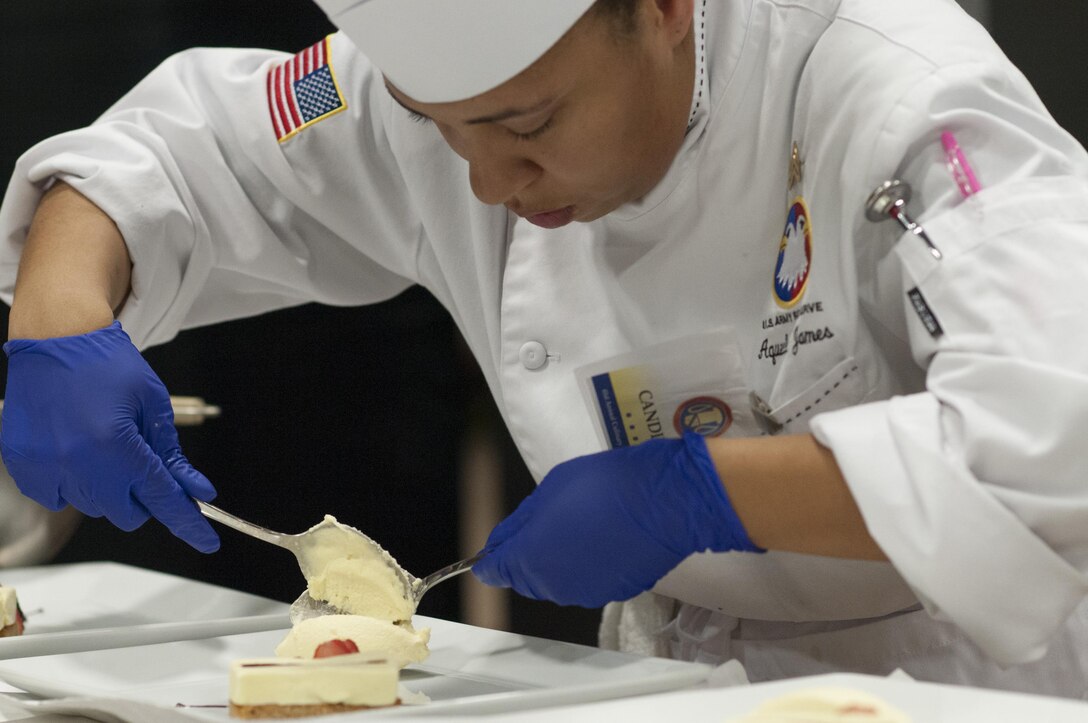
[(960, 447)]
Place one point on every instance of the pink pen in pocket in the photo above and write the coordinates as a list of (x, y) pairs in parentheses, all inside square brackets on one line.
[(961, 170)]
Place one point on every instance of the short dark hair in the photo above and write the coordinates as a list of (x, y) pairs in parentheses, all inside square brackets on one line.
[(623, 13)]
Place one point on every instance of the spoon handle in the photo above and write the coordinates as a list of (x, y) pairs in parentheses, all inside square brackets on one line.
[(446, 573), (214, 513)]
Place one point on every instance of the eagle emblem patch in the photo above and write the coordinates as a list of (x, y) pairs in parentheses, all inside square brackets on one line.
[(794, 256)]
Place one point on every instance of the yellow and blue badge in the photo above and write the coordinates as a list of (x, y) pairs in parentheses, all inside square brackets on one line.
[(303, 90), (633, 409), (692, 383), (628, 410), (791, 270)]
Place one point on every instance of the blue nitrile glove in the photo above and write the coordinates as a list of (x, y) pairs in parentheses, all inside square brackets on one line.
[(608, 526), (87, 422)]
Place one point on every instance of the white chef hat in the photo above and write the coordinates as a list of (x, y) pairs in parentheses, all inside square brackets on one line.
[(436, 51)]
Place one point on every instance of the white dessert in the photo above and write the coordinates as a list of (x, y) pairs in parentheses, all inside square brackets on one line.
[(355, 575), (8, 610), (278, 687), (11, 618), (826, 705), (373, 597), (399, 643)]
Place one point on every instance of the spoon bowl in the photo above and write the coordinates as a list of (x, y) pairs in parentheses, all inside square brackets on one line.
[(323, 543), (327, 544)]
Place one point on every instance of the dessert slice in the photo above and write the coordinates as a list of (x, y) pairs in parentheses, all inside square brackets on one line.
[(297, 687), (11, 617)]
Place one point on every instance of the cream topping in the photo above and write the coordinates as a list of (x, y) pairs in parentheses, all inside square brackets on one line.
[(354, 574), (399, 643)]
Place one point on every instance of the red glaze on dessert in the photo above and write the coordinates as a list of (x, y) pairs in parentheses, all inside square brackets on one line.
[(330, 648)]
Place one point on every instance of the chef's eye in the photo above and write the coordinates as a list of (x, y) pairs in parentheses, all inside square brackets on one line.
[(533, 133), (418, 117)]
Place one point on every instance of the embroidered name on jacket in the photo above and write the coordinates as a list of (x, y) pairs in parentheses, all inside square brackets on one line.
[(303, 91)]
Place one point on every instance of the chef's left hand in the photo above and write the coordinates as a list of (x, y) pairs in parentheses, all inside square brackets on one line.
[(608, 526)]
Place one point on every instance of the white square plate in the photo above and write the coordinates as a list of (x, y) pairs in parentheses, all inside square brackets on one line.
[(94, 605), (470, 671), (77, 614)]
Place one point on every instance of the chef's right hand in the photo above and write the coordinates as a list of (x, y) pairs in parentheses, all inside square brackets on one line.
[(86, 422)]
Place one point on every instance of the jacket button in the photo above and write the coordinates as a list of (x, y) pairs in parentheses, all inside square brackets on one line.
[(533, 355)]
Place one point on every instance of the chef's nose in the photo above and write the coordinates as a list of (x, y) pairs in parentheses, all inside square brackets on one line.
[(496, 176)]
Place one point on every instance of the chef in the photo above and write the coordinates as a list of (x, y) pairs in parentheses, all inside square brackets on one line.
[(781, 302)]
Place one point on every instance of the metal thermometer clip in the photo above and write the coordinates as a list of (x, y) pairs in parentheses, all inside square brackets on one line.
[(889, 200)]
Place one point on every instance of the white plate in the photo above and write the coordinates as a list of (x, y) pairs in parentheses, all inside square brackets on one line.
[(471, 670), (921, 702), (93, 605)]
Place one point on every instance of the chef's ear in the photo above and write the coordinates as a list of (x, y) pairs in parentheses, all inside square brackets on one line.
[(674, 17)]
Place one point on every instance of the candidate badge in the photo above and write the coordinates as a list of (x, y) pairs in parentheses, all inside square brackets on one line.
[(706, 416), (794, 256), (302, 91)]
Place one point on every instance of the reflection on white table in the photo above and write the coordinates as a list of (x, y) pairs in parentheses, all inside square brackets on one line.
[(12, 712)]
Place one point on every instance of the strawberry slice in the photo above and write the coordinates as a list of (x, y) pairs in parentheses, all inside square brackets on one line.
[(330, 648)]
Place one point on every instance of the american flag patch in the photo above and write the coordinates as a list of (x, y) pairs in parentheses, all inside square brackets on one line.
[(303, 90)]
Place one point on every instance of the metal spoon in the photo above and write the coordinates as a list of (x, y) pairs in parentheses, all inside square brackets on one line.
[(306, 607), (303, 543), (445, 573), (414, 588)]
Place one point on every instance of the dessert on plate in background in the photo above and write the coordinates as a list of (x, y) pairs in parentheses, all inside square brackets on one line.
[(12, 619), (826, 705)]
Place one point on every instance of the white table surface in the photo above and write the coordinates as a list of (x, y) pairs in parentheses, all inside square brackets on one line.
[(926, 702)]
